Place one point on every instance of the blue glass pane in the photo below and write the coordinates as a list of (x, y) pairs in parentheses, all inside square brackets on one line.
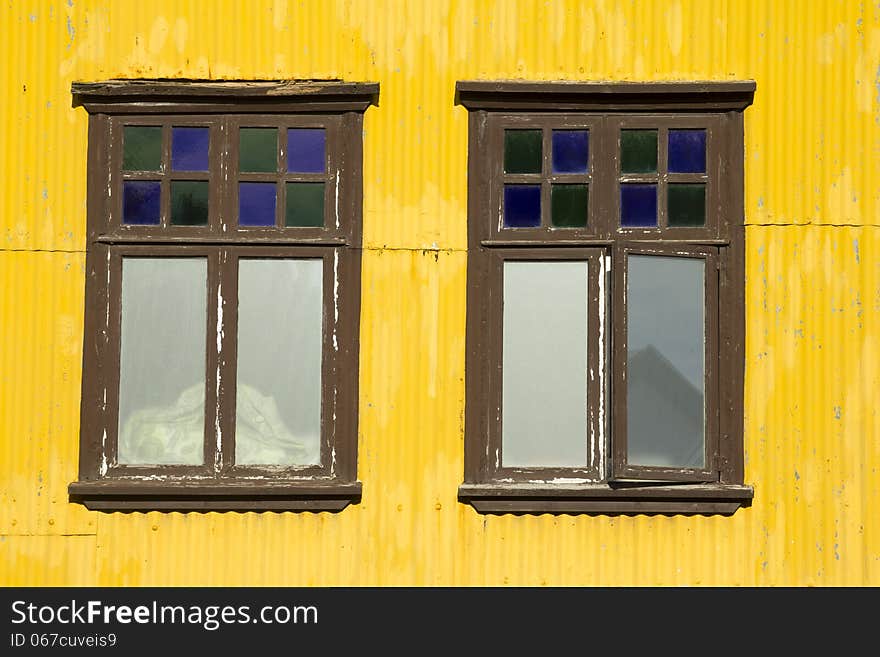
[(687, 151), (256, 204), (189, 149), (140, 202), (570, 151), (522, 206), (638, 205), (306, 150)]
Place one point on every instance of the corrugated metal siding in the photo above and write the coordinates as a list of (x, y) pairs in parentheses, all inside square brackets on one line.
[(813, 289), (41, 308)]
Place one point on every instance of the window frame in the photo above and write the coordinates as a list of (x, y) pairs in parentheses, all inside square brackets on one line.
[(218, 484), (620, 488)]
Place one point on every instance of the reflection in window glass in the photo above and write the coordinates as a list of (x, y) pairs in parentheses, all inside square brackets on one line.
[(544, 384), (278, 389), (162, 361), (665, 371)]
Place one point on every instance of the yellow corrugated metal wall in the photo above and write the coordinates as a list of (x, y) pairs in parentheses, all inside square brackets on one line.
[(813, 289)]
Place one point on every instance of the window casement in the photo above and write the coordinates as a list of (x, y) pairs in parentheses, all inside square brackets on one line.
[(605, 309), (220, 362)]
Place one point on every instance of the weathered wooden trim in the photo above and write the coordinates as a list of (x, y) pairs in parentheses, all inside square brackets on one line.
[(131, 238), (605, 96), (605, 108), (193, 495), (218, 484), (144, 96), (605, 499)]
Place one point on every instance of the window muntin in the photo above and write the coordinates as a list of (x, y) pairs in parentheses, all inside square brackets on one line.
[(657, 202), (185, 303)]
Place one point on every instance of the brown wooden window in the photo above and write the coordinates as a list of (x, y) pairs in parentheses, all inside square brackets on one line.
[(222, 295), (605, 319)]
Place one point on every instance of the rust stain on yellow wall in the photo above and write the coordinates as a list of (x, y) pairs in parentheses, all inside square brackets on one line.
[(813, 288)]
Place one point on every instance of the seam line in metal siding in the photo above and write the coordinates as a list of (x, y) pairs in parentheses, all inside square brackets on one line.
[(42, 251), (43, 534)]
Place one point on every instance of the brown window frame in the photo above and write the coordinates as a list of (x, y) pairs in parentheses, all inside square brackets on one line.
[(219, 484), (608, 485)]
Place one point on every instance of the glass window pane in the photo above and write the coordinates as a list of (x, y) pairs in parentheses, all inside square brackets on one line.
[(256, 204), (544, 376), (665, 369), (258, 150), (568, 204), (687, 151), (278, 391), (140, 202), (638, 205), (305, 204), (189, 202), (638, 151), (522, 151), (522, 206), (189, 149), (570, 151), (687, 204), (306, 150), (141, 148), (162, 361)]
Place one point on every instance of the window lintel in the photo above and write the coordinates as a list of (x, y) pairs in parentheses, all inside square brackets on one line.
[(146, 96), (566, 95)]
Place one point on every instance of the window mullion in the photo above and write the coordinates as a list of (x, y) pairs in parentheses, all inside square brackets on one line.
[(222, 335)]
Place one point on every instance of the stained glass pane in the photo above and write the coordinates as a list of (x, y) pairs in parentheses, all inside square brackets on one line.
[(665, 373), (687, 204), (569, 205), (570, 151), (687, 151), (305, 204), (638, 205), (189, 149), (256, 204), (522, 151), (306, 150), (638, 151), (162, 361), (141, 148), (544, 370), (522, 206), (140, 202), (189, 202), (278, 390), (258, 150)]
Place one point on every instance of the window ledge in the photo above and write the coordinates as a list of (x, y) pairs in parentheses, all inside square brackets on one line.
[(602, 499), (241, 495)]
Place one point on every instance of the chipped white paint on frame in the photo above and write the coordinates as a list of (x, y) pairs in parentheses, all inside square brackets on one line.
[(219, 432)]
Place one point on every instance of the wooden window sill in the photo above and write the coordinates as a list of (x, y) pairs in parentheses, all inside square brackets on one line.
[(214, 495), (603, 499)]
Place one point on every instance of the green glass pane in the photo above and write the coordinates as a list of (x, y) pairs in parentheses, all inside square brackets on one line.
[(189, 202), (522, 151), (569, 205), (141, 148), (687, 204), (638, 151), (258, 150), (305, 204)]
